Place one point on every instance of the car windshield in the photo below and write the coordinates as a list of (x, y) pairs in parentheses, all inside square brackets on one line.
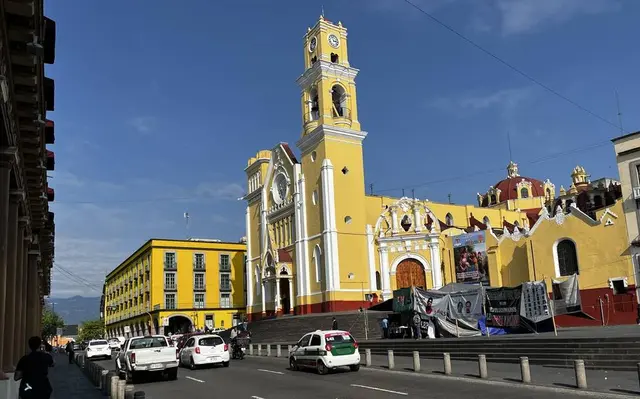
[(338, 338), (210, 341), (95, 343), (151, 342)]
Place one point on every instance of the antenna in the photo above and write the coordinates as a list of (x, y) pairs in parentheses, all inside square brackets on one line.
[(403, 193), (413, 193), (449, 196), (186, 220), (619, 113), (509, 142), (371, 188), (322, 10)]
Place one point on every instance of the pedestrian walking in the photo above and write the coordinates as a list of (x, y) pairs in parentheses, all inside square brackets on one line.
[(334, 324), (385, 328), (33, 372), (70, 351)]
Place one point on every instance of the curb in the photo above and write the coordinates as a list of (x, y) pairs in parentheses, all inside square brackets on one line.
[(107, 381), (489, 381)]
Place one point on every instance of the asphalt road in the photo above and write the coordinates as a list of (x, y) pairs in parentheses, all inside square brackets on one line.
[(270, 378)]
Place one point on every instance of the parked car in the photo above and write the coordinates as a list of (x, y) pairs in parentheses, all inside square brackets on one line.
[(98, 348), (204, 349), (325, 350), (148, 354), (114, 344)]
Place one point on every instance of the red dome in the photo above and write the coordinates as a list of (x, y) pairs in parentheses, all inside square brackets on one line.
[(508, 188)]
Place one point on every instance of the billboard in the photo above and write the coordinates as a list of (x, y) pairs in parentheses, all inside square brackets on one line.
[(470, 258)]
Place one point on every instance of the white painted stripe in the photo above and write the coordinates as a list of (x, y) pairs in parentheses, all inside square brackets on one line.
[(379, 389), (256, 397), (193, 379), (270, 371)]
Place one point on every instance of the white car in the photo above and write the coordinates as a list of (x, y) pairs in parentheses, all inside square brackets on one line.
[(204, 349), (114, 344), (98, 348), (324, 351)]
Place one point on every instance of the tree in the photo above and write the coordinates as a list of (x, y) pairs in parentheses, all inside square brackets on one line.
[(92, 329), (51, 321)]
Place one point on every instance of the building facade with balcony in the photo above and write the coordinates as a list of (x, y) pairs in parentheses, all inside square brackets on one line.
[(627, 149), (27, 40), (176, 286)]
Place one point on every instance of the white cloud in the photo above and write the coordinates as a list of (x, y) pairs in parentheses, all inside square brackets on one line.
[(522, 16), (143, 124), (505, 100)]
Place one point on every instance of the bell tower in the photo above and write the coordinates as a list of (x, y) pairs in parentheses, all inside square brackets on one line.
[(328, 82), (332, 158)]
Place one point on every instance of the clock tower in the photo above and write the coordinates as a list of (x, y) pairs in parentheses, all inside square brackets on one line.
[(332, 161)]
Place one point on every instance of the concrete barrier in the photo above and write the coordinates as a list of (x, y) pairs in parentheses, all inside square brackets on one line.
[(278, 350), (482, 366), (581, 375), (416, 361), (120, 392), (129, 391), (367, 357), (268, 350), (113, 392), (525, 370), (391, 363), (446, 358), (250, 349)]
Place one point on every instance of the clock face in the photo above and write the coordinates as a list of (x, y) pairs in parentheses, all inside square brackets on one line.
[(312, 44), (334, 41), (280, 187)]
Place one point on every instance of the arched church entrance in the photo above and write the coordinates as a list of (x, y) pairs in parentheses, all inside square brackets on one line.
[(410, 273), (178, 324), (285, 301)]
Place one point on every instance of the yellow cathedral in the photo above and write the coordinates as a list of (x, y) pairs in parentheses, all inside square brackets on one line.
[(316, 242)]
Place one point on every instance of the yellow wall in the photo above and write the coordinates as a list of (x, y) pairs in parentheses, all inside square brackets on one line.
[(602, 251), (147, 264)]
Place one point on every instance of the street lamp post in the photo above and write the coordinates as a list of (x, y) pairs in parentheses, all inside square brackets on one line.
[(364, 306)]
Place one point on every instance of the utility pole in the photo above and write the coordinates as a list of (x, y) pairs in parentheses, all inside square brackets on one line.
[(449, 196), (619, 114), (371, 188), (186, 219)]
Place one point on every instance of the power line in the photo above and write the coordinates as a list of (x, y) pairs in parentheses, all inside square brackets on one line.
[(77, 278), (511, 66)]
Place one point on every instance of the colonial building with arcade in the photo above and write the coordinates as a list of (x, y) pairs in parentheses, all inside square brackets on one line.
[(316, 242)]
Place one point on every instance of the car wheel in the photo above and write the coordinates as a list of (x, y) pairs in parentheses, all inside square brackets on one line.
[(321, 368), (354, 367), (293, 365), (225, 364), (172, 374), (192, 364)]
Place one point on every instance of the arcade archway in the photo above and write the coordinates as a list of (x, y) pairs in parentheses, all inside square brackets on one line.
[(178, 324)]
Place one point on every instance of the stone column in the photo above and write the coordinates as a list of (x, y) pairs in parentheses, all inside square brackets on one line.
[(23, 246), (5, 180), (291, 303), (276, 300), (264, 302), (12, 252), (33, 298)]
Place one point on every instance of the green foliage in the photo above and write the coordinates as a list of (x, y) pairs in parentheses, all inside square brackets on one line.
[(93, 329), (51, 321)]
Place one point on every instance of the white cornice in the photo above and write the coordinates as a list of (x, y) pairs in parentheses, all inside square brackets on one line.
[(313, 138), (259, 161), (326, 68), (400, 238)]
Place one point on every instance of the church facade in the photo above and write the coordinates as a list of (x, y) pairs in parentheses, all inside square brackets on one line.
[(316, 242)]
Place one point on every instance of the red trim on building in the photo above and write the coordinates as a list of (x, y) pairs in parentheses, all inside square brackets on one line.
[(508, 188), (51, 160), (616, 309), (284, 256), (289, 152), (51, 194), (49, 132)]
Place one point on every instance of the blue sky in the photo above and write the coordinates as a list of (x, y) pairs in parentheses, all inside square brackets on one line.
[(158, 106)]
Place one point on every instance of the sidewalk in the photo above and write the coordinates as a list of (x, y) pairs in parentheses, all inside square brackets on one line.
[(69, 382), (625, 382)]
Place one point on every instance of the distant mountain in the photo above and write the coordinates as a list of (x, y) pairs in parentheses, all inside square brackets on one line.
[(76, 309)]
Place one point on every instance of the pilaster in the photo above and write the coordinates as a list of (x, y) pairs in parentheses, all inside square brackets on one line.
[(248, 266), (5, 181), (436, 269), (371, 258), (384, 268), (21, 293), (14, 244), (33, 257), (330, 233)]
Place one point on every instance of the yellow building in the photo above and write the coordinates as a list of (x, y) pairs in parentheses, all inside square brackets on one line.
[(317, 242), (171, 286)]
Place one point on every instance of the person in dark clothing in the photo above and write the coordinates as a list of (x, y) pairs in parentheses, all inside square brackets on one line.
[(32, 371), (334, 324), (70, 351)]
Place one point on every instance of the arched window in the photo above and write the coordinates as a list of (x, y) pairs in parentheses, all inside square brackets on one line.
[(317, 262), (494, 199), (448, 220), (334, 58), (567, 258), (548, 191), (258, 289), (339, 102), (314, 105), (378, 281), (524, 193), (485, 220)]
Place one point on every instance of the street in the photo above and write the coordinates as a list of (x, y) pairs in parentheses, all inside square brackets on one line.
[(270, 378)]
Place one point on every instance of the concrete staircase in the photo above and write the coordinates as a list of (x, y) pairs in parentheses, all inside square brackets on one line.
[(289, 329)]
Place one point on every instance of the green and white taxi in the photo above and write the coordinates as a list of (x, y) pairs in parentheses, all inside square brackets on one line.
[(324, 351)]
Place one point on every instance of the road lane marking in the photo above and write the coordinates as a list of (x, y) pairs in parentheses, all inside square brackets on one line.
[(271, 371), (193, 379), (379, 389), (256, 397)]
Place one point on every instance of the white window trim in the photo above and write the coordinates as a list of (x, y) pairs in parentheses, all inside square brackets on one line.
[(317, 262), (204, 261), (175, 279), (230, 300), (226, 274), (555, 256), (175, 298), (624, 280), (204, 300), (175, 258), (204, 279)]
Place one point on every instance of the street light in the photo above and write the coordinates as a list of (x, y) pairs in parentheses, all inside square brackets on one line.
[(364, 306)]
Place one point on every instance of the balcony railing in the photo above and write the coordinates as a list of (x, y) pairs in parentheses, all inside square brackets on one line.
[(170, 265), (169, 287), (225, 286), (225, 267), (199, 287), (200, 266), (636, 193)]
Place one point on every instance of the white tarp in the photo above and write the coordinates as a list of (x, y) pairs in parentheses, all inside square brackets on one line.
[(534, 303), (566, 296)]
